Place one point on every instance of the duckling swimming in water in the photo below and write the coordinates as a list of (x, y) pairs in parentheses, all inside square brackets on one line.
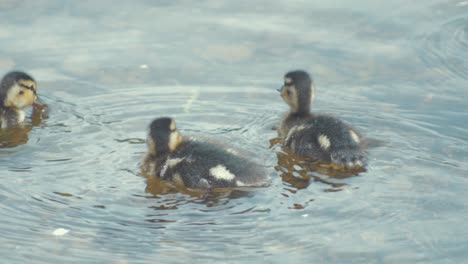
[(17, 91), (195, 164), (320, 137)]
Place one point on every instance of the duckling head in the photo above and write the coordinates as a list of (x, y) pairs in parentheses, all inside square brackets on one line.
[(17, 90), (298, 91), (163, 137)]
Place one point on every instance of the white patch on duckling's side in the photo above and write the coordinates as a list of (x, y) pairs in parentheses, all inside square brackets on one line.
[(324, 142), (173, 162), (170, 163), (163, 170), (294, 130), (354, 136), (220, 172)]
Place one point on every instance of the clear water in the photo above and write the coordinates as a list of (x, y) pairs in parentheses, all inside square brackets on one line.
[(397, 70)]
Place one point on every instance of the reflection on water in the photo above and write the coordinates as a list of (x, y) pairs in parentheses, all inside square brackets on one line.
[(218, 199), (14, 136), (394, 69), (298, 171), (209, 197), (18, 135)]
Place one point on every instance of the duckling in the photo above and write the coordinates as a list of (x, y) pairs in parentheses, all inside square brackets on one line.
[(192, 163), (320, 137), (17, 91)]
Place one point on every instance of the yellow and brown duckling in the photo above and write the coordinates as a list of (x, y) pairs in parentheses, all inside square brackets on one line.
[(193, 163), (17, 91), (320, 137)]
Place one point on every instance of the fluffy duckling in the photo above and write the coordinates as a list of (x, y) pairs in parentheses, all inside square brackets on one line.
[(17, 91), (195, 164), (320, 137)]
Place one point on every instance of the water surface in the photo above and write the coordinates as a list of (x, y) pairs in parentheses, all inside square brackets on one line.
[(398, 71)]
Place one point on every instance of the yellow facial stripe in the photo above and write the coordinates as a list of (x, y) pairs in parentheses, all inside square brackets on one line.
[(28, 83), (174, 140), (172, 125), (283, 91)]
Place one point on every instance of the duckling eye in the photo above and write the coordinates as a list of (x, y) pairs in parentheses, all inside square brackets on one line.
[(21, 92), (288, 92)]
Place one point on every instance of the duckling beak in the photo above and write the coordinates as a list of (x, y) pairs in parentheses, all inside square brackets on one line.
[(280, 89)]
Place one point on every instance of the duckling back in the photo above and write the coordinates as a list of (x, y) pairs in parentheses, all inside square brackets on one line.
[(198, 164), (328, 139), (319, 137)]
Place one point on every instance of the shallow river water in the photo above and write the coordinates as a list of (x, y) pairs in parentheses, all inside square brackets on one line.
[(70, 186)]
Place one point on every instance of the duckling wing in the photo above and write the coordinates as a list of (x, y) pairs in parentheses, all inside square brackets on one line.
[(328, 139), (202, 165)]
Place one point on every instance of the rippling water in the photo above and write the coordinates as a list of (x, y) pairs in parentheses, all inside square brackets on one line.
[(70, 186)]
